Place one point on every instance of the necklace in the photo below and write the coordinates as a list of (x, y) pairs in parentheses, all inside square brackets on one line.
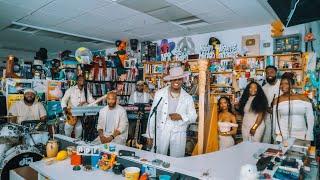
[(174, 96)]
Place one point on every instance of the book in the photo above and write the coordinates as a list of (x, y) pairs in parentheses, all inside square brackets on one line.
[(54, 92)]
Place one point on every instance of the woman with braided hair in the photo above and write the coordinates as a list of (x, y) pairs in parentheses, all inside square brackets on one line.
[(292, 113)]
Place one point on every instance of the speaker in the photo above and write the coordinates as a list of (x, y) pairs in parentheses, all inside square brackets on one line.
[(134, 44)]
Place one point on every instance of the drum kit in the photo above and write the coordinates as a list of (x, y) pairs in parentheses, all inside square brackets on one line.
[(20, 145)]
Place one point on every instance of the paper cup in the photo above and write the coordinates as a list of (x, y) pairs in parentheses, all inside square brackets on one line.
[(132, 173)]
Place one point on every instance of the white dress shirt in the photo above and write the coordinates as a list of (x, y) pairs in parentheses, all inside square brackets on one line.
[(25, 112), (74, 96), (114, 119), (140, 97)]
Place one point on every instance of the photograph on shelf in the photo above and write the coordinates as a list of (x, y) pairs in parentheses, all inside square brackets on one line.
[(54, 92), (13, 98), (53, 108), (251, 45), (19, 87)]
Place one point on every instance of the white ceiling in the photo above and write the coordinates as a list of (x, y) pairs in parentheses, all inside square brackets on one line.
[(123, 19)]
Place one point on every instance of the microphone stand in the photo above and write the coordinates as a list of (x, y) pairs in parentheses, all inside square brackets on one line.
[(154, 112)]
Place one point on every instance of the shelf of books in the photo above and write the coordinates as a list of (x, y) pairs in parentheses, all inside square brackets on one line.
[(123, 84)]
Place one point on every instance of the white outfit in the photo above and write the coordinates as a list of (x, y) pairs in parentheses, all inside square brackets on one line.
[(114, 119), (302, 119), (139, 97), (271, 92), (171, 133), (249, 120), (72, 98), (226, 141), (25, 112)]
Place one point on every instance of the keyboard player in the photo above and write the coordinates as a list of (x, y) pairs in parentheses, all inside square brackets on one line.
[(140, 95)]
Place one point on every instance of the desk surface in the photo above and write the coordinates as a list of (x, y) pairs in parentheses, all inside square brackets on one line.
[(224, 164)]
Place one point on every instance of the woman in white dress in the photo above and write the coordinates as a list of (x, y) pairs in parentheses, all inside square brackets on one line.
[(292, 113), (227, 123), (253, 106)]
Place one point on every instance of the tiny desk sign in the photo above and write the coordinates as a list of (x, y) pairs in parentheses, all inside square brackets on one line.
[(88, 150)]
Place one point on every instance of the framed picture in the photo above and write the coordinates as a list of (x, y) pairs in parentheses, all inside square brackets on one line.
[(251, 44), (130, 63)]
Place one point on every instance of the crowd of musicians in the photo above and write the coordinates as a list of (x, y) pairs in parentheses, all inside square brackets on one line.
[(271, 113)]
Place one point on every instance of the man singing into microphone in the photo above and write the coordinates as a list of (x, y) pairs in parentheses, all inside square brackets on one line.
[(271, 90), (174, 113)]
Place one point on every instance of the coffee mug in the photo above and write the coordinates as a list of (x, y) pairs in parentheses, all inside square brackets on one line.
[(132, 173)]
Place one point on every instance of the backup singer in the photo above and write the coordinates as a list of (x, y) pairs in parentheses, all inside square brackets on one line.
[(227, 123), (253, 106), (28, 108), (76, 96), (292, 113), (174, 113), (112, 122)]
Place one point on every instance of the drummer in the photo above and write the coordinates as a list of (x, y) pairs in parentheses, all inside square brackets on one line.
[(28, 108)]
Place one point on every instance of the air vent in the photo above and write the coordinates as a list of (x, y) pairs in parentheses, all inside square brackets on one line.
[(29, 30), (190, 22), (186, 20), (35, 30)]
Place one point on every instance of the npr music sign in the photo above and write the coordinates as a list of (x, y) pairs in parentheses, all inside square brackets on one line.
[(88, 150)]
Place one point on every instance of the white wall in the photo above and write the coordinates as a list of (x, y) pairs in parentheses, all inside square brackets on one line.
[(234, 36)]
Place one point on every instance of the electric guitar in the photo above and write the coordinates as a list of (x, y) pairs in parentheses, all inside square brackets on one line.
[(134, 142)]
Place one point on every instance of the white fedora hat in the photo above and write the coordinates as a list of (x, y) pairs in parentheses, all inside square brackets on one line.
[(176, 73)]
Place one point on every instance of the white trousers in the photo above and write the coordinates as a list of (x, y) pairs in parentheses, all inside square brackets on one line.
[(176, 141), (77, 129)]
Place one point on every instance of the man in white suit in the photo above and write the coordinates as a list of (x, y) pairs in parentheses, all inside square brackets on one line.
[(174, 113)]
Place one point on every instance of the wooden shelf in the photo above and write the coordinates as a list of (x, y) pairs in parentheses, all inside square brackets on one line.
[(220, 86), (222, 72), (153, 62), (161, 62), (91, 81), (219, 59), (154, 74), (223, 94), (288, 54), (290, 69), (243, 57), (244, 70)]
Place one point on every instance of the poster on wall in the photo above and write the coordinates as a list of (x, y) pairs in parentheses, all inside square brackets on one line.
[(18, 87), (13, 98), (54, 92), (251, 45)]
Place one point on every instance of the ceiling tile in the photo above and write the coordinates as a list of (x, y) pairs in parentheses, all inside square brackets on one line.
[(170, 13), (115, 11), (87, 20), (139, 20), (28, 4), (156, 28), (62, 9), (42, 19), (203, 6), (144, 6)]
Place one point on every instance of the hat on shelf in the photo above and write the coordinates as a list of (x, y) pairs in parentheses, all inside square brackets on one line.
[(29, 90), (140, 83), (176, 73)]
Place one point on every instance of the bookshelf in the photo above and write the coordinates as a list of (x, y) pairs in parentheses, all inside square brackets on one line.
[(154, 71)]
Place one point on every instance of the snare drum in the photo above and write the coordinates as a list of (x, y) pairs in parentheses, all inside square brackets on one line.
[(39, 137), (18, 156)]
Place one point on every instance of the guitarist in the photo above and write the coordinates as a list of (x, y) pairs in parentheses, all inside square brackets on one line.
[(113, 122), (75, 96)]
